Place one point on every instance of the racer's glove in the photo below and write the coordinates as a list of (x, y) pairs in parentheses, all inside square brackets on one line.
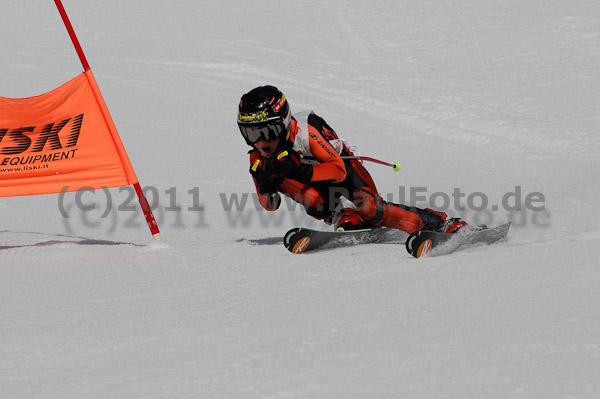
[(289, 165), (267, 177)]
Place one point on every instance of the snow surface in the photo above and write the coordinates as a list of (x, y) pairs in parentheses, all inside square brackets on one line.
[(483, 96)]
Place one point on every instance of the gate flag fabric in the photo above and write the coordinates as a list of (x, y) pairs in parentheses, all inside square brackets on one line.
[(60, 139), (64, 140)]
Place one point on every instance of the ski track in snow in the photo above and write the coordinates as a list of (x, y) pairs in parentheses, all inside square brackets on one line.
[(420, 122)]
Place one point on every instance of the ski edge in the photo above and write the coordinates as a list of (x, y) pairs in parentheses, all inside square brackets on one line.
[(300, 240)]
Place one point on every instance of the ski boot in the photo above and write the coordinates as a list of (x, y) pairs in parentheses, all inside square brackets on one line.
[(348, 219)]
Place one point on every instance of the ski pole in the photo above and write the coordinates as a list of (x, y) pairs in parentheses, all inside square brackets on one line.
[(396, 166)]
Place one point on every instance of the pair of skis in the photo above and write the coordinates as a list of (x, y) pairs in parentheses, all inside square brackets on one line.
[(418, 244)]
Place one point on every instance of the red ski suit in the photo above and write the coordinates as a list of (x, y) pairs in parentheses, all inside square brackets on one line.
[(333, 177)]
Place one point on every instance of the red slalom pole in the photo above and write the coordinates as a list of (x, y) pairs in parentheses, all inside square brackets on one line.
[(71, 31), (86, 67), (147, 212)]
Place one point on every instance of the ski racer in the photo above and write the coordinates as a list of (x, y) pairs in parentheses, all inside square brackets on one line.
[(302, 157)]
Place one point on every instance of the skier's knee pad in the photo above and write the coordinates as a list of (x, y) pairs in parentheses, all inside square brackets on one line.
[(316, 204), (368, 206)]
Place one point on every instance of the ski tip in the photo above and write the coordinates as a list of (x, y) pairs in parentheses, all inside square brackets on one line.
[(424, 249), (300, 246), (294, 243), (418, 248)]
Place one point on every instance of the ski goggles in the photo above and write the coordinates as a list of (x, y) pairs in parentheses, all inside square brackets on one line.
[(267, 132)]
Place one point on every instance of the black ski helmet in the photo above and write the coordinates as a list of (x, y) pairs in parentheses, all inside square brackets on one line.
[(264, 114)]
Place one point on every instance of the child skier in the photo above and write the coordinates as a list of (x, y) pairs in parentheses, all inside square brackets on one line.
[(301, 157)]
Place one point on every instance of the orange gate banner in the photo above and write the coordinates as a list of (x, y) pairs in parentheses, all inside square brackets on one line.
[(63, 138)]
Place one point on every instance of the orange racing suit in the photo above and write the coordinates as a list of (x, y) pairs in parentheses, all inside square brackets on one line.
[(334, 177)]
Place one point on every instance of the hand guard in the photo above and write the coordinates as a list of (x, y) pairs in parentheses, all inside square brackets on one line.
[(289, 165), (266, 177)]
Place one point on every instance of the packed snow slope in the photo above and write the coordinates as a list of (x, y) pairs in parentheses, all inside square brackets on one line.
[(495, 99)]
